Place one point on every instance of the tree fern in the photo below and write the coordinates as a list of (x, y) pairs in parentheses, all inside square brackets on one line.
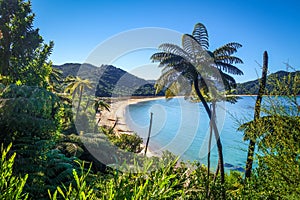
[(201, 35)]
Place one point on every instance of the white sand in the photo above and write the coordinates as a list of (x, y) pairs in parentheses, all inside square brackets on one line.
[(117, 112)]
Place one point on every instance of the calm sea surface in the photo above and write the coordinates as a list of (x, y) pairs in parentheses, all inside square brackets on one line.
[(183, 128)]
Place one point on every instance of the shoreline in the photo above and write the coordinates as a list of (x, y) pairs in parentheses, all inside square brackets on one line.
[(117, 112)]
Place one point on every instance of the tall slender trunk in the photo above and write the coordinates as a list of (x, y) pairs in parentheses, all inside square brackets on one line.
[(261, 91), (79, 102), (217, 135), (87, 105), (209, 148), (149, 132), (5, 60)]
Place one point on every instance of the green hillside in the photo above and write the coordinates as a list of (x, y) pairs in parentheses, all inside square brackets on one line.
[(110, 80), (113, 81), (251, 87)]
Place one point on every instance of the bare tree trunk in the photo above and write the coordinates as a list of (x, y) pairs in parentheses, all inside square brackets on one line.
[(261, 91), (217, 135), (150, 126), (79, 102), (216, 173), (208, 154), (114, 126)]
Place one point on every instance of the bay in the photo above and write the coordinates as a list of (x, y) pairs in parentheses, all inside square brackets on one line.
[(182, 128)]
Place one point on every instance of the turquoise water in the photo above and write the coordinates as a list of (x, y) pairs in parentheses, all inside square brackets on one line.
[(183, 128)]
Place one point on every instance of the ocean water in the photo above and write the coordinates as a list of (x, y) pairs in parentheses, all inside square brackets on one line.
[(183, 128)]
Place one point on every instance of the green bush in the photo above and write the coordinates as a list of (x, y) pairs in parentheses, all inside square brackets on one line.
[(27, 111), (81, 190), (162, 182), (127, 142), (11, 187)]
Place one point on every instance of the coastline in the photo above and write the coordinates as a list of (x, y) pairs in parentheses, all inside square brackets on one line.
[(118, 112)]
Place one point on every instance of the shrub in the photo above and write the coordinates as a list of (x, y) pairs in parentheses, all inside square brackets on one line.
[(80, 191), (127, 142), (11, 187)]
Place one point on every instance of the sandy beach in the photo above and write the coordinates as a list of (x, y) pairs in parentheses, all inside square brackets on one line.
[(117, 112)]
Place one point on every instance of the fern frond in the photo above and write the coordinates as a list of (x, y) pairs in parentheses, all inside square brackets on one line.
[(201, 35), (191, 46), (175, 49), (229, 68)]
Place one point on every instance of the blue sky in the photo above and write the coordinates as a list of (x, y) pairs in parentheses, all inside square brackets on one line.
[(77, 27)]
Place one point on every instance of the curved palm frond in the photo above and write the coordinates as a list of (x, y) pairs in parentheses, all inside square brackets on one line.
[(166, 79), (167, 58), (191, 45), (178, 68), (75, 83), (160, 56), (201, 35), (56, 75), (224, 60), (175, 49), (235, 45), (227, 49), (229, 81), (229, 68), (228, 59), (101, 104)]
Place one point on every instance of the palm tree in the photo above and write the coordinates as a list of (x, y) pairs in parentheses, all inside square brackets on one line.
[(100, 105), (55, 79), (193, 68), (76, 85)]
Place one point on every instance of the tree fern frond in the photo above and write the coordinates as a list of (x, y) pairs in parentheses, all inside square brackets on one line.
[(228, 59), (191, 45), (174, 49), (233, 45), (160, 56), (201, 35), (227, 49), (224, 51), (166, 79), (63, 177), (173, 60), (229, 68), (229, 81)]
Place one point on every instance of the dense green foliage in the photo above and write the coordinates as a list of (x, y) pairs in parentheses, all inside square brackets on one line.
[(28, 111), (23, 55), (11, 187), (82, 191), (278, 136), (251, 87), (50, 150), (127, 142)]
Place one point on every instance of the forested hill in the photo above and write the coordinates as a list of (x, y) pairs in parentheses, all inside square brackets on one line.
[(251, 87), (111, 81)]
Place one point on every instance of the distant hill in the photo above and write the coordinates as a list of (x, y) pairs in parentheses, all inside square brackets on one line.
[(109, 80), (251, 87), (113, 81)]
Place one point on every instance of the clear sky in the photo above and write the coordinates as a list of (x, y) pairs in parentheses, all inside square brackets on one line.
[(77, 27)]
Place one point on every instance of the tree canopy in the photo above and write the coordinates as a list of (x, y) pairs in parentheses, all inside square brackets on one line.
[(23, 55)]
